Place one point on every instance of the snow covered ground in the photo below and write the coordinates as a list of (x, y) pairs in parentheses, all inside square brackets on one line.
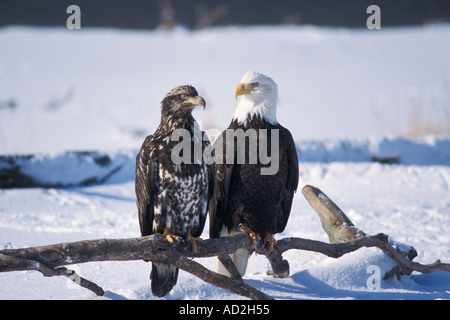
[(346, 95)]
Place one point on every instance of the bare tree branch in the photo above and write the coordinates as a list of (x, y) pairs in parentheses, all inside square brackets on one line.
[(339, 229), (18, 264), (336, 224), (51, 259), (237, 286), (47, 259)]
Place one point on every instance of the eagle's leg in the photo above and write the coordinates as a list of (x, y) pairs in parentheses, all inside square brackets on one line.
[(169, 236), (192, 240), (269, 240), (255, 237)]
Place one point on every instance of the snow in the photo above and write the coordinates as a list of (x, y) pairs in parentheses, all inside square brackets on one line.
[(83, 100)]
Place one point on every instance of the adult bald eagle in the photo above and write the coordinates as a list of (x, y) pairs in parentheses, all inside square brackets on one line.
[(243, 197), (172, 197)]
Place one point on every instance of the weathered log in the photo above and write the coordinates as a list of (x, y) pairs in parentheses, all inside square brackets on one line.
[(51, 259), (48, 259), (231, 284), (336, 224), (340, 228)]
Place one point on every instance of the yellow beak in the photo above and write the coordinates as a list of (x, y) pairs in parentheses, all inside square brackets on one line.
[(196, 101), (242, 89)]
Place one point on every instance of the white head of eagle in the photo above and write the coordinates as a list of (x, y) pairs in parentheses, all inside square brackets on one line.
[(259, 97)]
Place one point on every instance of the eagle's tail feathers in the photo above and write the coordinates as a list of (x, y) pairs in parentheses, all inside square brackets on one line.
[(240, 260), (164, 277)]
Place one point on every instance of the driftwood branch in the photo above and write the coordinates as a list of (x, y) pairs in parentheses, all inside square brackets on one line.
[(344, 237), (336, 224), (339, 229), (49, 259), (11, 263)]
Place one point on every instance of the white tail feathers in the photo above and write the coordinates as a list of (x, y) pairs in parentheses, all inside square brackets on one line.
[(240, 259)]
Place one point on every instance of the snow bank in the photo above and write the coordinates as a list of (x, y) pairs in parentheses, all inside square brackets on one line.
[(66, 169), (89, 168), (430, 150)]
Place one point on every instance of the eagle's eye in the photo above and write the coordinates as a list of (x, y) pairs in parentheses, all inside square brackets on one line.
[(183, 96), (255, 84)]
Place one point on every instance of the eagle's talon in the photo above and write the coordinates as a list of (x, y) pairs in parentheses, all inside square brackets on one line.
[(269, 241), (192, 241), (169, 236), (253, 235)]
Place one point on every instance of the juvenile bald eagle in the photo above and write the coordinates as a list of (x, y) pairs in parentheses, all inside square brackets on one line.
[(243, 197), (172, 197)]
